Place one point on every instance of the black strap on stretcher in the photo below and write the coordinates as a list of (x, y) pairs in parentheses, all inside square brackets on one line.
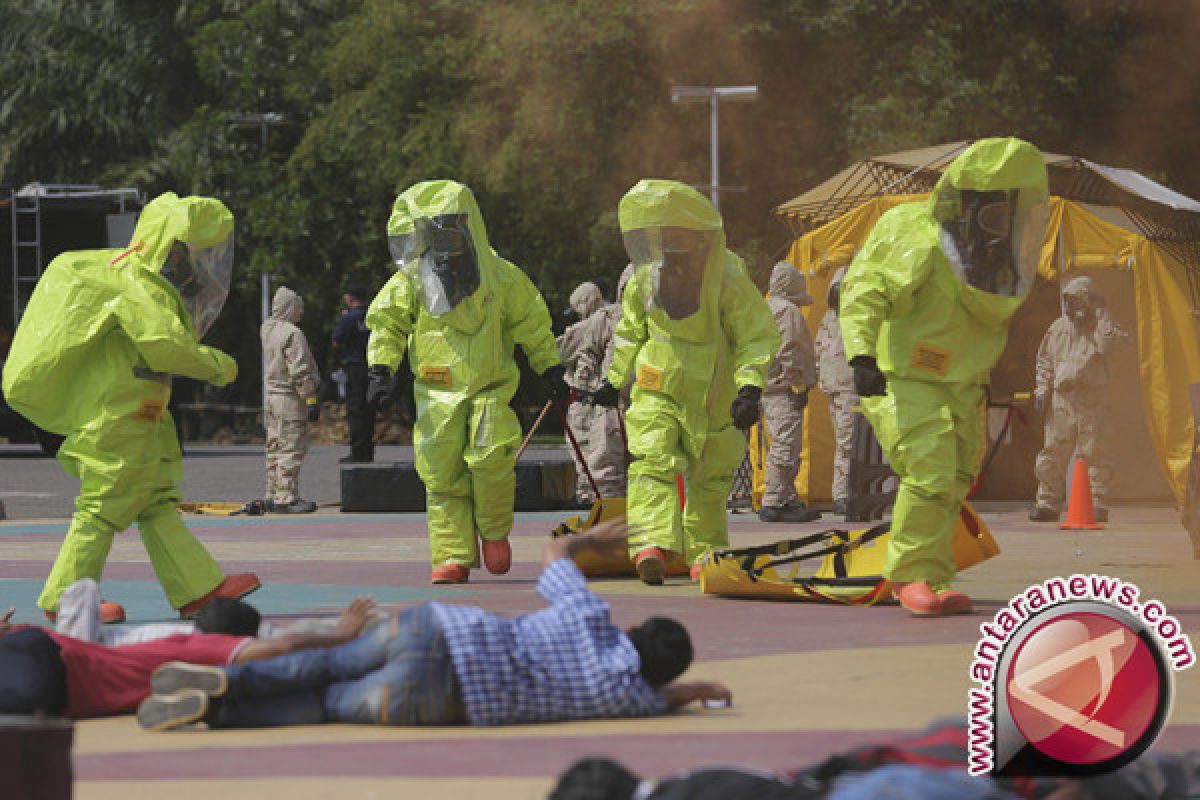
[(842, 545)]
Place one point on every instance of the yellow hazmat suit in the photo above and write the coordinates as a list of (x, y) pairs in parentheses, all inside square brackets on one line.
[(92, 359), (459, 328), (928, 298), (694, 330)]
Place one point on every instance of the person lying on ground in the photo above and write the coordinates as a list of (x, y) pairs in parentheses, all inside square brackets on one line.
[(927, 766), (604, 779), (44, 671), (79, 616), (439, 664)]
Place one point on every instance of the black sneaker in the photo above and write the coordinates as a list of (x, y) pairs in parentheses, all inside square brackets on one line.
[(176, 675), (1043, 514), (298, 507), (797, 513), (165, 712)]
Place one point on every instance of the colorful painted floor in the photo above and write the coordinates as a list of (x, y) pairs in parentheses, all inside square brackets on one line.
[(807, 680)]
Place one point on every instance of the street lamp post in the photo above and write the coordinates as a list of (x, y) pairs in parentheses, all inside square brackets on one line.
[(713, 95), (263, 120)]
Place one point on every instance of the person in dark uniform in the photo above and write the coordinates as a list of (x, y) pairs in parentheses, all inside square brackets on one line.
[(350, 339)]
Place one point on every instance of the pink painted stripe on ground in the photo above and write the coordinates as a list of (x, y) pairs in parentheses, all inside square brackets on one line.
[(650, 755)]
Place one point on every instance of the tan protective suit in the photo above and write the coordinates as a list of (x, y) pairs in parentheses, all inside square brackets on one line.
[(580, 356), (1072, 366), (792, 374), (292, 378), (836, 379)]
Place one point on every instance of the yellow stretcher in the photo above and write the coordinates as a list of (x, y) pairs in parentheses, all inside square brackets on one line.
[(594, 565), (221, 509), (851, 568)]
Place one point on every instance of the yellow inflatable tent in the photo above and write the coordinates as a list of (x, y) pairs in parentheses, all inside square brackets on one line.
[(1137, 239)]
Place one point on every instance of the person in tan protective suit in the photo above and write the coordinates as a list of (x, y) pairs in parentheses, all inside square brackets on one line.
[(292, 381), (836, 379), (792, 374), (586, 301), (1072, 392), (589, 353)]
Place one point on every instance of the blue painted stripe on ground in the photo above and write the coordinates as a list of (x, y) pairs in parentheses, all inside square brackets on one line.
[(144, 601)]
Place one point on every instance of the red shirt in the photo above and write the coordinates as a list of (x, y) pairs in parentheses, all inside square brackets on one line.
[(114, 680)]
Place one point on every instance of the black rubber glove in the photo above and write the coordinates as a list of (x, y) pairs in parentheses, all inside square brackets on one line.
[(746, 408), (404, 396), (379, 387), (800, 398), (554, 383), (314, 411), (868, 380), (606, 395)]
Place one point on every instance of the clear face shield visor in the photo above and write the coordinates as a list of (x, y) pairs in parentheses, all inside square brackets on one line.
[(202, 276), (997, 240), (677, 258), (446, 262)]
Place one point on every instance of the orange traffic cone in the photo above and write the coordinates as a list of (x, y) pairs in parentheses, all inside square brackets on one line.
[(1081, 513)]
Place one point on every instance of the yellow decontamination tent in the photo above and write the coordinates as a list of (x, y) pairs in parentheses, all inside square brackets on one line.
[(1138, 240)]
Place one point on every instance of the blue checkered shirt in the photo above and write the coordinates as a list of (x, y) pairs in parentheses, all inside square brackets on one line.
[(565, 662)]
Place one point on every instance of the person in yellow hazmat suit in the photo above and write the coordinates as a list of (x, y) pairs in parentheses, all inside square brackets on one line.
[(457, 309), (698, 338), (924, 314), (93, 357)]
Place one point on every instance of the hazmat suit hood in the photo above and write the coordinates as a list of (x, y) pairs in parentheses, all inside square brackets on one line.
[(287, 306), (188, 242), (1080, 293), (991, 206), (676, 240), (789, 283), (587, 299), (436, 232)]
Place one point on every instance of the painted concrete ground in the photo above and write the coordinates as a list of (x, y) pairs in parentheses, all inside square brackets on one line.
[(807, 680)]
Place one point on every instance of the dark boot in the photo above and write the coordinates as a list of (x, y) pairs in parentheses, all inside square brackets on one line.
[(298, 507), (793, 513), (1043, 514)]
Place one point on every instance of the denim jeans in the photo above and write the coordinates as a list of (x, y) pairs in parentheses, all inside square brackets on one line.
[(33, 677), (398, 672)]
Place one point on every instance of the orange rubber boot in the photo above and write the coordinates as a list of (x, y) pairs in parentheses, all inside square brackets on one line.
[(497, 556), (110, 613), (952, 602), (651, 565), (450, 573), (234, 587)]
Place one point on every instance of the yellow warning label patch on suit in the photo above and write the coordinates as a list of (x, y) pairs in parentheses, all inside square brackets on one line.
[(436, 376), (149, 411), (931, 359), (650, 378)]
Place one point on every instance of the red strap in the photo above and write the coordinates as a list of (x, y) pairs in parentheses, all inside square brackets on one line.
[(133, 249)]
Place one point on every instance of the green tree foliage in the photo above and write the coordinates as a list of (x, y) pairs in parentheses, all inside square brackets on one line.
[(552, 109)]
